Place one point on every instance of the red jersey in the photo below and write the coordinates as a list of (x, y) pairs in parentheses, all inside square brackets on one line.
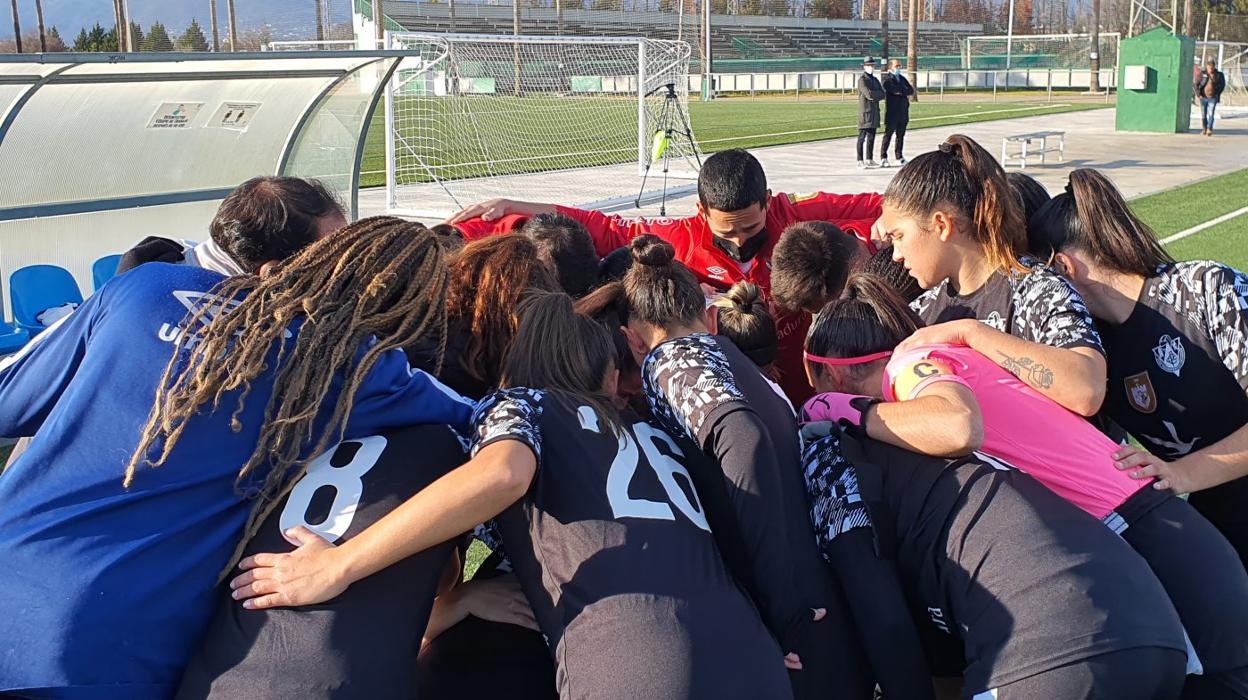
[(695, 247)]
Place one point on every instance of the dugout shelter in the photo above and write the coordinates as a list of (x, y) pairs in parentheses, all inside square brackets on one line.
[(98, 151)]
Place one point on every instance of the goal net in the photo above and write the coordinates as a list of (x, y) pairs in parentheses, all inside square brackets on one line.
[(546, 118), (1058, 51)]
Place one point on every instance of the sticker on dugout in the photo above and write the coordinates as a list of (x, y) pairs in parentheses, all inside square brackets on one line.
[(233, 115), (174, 115)]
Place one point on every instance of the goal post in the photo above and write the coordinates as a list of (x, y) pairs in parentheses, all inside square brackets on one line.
[(1058, 51), (547, 118)]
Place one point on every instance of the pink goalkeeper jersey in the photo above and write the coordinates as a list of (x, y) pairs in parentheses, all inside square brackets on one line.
[(1021, 426)]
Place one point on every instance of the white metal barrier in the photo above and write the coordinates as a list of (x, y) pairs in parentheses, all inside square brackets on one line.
[(1047, 79)]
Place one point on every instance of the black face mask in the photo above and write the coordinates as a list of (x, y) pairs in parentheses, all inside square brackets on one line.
[(743, 253)]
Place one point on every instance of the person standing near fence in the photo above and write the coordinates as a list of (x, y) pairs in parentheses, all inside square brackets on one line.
[(870, 92), (898, 92), (1208, 88)]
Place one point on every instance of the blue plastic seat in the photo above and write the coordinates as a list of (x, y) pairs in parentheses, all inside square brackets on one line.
[(37, 288), (103, 270), (12, 338)]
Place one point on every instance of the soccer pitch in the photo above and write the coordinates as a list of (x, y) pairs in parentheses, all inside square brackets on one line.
[(734, 122)]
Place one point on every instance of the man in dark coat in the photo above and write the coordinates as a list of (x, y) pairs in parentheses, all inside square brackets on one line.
[(898, 93), (870, 92), (1208, 89)]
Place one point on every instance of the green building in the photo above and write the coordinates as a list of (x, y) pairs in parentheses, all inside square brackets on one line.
[(1155, 82)]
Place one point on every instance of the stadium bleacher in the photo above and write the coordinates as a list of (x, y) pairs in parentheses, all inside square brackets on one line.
[(732, 37)]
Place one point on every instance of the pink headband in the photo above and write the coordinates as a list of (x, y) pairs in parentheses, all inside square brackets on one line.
[(847, 360)]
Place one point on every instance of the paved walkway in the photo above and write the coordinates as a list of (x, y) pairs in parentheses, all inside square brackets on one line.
[(1138, 163)]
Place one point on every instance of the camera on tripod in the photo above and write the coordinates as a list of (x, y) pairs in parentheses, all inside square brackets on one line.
[(672, 122)]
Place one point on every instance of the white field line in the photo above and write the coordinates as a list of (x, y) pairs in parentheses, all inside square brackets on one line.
[(1201, 227), (917, 119)]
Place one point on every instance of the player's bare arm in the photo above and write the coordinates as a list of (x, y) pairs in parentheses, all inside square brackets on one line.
[(943, 420), (1074, 378), (492, 209), (317, 571)]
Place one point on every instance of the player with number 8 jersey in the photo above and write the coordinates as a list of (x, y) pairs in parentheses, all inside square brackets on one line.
[(362, 646)]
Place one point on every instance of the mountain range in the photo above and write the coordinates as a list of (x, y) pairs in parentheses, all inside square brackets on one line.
[(286, 19)]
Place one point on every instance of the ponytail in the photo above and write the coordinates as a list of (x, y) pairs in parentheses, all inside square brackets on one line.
[(962, 175), (868, 318), (658, 290), (1092, 216), (562, 352)]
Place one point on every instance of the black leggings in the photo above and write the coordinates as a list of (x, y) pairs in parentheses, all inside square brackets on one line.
[(1203, 576), (889, 130), (866, 136), (1146, 673)]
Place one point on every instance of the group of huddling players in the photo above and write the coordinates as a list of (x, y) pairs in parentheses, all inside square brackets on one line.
[(811, 447)]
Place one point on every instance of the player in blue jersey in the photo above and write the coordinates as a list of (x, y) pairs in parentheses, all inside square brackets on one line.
[(109, 561)]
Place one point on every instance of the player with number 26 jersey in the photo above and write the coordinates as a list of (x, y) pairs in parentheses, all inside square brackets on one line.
[(613, 550)]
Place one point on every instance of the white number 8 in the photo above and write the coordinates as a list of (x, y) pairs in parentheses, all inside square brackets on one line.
[(347, 482)]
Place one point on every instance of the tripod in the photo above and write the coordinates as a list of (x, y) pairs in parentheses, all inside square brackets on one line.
[(672, 121)]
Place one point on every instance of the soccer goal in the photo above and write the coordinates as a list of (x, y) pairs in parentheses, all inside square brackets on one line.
[(564, 119), (1059, 51)]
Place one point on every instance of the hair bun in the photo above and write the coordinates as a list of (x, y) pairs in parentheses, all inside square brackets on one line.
[(744, 295), (652, 251)]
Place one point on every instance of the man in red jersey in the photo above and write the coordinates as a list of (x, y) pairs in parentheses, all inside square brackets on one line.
[(730, 239)]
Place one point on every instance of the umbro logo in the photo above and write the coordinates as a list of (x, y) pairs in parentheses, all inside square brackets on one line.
[(716, 272), (210, 305)]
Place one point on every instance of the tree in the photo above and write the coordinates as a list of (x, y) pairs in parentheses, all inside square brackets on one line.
[(776, 8), (55, 42), (136, 34), (821, 8), (1022, 16), (17, 28), (43, 35), (912, 45), (193, 38), (1094, 82), (157, 38), (96, 40)]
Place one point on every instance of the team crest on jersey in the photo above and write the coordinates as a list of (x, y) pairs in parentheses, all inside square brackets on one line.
[(1170, 354), (1140, 392), (994, 319)]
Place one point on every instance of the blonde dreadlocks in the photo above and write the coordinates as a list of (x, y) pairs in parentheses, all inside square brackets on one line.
[(381, 278)]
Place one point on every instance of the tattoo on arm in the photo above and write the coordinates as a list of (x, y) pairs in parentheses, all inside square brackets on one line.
[(1028, 370)]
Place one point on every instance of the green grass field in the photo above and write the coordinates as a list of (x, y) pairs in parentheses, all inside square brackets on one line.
[(1184, 207), (718, 125)]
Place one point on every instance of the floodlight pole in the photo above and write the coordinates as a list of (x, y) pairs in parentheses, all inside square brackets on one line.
[(1009, 42), (125, 10), (707, 88), (1204, 49)]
